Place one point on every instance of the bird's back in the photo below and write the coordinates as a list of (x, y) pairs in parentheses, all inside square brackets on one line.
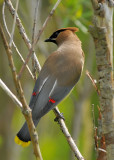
[(66, 63)]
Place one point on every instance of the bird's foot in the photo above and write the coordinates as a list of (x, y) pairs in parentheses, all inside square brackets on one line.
[(59, 115)]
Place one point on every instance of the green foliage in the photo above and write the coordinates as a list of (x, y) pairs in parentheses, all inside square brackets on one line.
[(70, 11)]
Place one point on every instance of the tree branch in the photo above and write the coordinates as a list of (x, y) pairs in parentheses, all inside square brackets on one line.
[(93, 82), (33, 37), (25, 110), (66, 133), (60, 121), (102, 33), (37, 38), (13, 28), (10, 94), (5, 25), (22, 32), (46, 21)]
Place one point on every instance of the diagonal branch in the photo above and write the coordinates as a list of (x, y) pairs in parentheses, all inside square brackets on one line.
[(66, 133), (93, 82), (10, 94), (26, 61), (22, 31), (60, 122), (25, 110), (24, 35), (5, 25), (37, 38), (46, 21)]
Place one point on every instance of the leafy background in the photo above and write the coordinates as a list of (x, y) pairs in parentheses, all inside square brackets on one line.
[(77, 107)]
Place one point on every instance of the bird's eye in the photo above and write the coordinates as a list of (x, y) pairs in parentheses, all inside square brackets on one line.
[(55, 35)]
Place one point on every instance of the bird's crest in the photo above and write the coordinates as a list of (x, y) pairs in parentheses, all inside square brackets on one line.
[(53, 37), (73, 29)]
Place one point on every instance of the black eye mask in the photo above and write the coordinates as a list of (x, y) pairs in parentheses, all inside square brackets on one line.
[(55, 34), (53, 37)]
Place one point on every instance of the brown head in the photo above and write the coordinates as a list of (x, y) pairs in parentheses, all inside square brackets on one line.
[(62, 35)]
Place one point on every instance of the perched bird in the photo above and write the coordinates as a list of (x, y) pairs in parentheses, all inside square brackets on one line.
[(59, 74)]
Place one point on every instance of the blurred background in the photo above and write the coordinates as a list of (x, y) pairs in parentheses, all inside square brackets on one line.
[(77, 108)]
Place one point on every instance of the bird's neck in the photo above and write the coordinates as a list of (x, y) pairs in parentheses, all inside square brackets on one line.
[(69, 44)]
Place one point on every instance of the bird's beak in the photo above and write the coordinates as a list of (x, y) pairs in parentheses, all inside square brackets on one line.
[(48, 40)]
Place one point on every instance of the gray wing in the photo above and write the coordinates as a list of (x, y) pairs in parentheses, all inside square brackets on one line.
[(50, 90), (43, 76), (50, 95)]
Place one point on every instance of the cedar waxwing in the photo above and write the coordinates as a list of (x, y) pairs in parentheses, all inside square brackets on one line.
[(59, 74)]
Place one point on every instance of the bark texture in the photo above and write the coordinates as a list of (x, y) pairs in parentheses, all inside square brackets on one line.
[(102, 33)]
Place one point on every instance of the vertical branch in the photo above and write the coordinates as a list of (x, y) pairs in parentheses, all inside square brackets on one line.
[(33, 38), (14, 22), (102, 33), (35, 19)]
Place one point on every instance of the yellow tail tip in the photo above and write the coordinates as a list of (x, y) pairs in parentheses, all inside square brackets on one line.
[(20, 142)]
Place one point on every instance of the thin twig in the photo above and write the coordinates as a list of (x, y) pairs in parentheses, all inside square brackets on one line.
[(10, 94), (5, 25), (68, 136), (26, 61), (33, 37), (46, 21), (22, 31), (14, 22), (26, 110), (35, 20), (37, 38), (93, 82)]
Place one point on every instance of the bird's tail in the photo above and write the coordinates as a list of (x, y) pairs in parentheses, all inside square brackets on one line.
[(23, 137)]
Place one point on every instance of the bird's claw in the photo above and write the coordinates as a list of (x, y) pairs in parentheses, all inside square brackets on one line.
[(60, 115)]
